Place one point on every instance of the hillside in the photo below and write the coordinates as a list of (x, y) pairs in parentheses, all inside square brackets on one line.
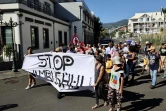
[(115, 24)]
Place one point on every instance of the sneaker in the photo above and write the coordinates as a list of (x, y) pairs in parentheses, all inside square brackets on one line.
[(33, 84), (28, 87), (152, 87), (164, 77)]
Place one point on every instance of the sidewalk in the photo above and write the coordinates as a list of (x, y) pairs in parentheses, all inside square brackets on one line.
[(9, 74)]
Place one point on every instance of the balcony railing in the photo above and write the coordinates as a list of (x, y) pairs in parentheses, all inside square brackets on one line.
[(36, 6)]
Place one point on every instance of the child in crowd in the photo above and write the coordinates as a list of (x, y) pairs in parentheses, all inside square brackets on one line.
[(116, 83), (108, 65)]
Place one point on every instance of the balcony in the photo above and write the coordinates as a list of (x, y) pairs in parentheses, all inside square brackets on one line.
[(36, 6)]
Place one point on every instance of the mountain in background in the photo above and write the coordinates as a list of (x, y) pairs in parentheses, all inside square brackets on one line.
[(115, 24)]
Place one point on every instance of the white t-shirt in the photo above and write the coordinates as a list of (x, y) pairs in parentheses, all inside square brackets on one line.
[(108, 50), (114, 82)]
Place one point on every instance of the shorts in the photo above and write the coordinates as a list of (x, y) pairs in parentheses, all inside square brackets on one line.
[(162, 58)]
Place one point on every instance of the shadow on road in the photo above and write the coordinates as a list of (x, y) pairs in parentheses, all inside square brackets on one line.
[(161, 84), (86, 93), (8, 106), (131, 96), (41, 85), (143, 104)]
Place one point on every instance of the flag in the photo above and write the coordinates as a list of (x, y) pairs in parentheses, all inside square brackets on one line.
[(75, 40)]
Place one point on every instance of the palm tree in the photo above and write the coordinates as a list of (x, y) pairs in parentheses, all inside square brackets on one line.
[(164, 12)]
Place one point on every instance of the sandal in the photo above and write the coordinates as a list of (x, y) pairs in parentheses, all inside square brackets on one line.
[(105, 104), (96, 106)]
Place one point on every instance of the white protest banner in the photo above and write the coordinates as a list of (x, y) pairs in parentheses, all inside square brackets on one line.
[(67, 72)]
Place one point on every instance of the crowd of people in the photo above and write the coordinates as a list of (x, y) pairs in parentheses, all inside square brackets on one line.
[(114, 65)]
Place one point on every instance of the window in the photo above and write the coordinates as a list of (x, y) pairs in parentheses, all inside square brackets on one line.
[(60, 37), (45, 38), (47, 7), (28, 19), (147, 19), (7, 35), (34, 37), (39, 22), (65, 38)]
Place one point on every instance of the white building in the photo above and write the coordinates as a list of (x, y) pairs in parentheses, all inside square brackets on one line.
[(43, 26), (81, 17), (146, 22)]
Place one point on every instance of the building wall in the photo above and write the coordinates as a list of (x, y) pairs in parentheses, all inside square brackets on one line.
[(73, 8), (59, 27), (26, 34), (78, 24)]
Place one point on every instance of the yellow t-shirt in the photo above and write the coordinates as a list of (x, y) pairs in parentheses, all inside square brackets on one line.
[(108, 65)]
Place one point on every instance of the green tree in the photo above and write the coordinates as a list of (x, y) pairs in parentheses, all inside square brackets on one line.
[(8, 51), (120, 33), (98, 27)]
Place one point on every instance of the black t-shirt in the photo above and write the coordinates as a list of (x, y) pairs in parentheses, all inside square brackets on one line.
[(162, 51)]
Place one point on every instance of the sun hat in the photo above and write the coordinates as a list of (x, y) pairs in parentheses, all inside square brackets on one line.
[(116, 60), (152, 48), (147, 42), (99, 58)]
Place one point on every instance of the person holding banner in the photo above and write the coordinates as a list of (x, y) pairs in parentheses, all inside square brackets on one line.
[(31, 79), (101, 81)]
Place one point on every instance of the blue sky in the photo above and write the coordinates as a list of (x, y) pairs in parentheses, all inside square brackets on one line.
[(115, 10)]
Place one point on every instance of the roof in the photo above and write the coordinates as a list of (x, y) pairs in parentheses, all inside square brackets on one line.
[(156, 15)]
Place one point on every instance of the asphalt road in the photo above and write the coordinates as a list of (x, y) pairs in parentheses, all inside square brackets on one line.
[(139, 97)]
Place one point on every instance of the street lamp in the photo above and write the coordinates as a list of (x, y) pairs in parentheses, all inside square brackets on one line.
[(11, 24)]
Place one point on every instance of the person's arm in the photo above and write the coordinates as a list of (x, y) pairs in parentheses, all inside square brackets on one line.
[(133, 56), (121, 85), (100, 75)]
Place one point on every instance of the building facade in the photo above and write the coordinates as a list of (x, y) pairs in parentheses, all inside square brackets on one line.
[(146, 23), (81, 17), (43, 28)]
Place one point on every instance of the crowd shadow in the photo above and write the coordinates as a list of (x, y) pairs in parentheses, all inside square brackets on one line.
[(8, 106), (131, 96), (41, 85), (85, 93), (143, 104), (161, 84)]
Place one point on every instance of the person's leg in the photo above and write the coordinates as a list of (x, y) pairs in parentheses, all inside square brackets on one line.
[(103, 93), (154, 79), (33, 81), (111, 96), (29, 82), (127, 73), (96, 97), (133, 71), (118, 96)]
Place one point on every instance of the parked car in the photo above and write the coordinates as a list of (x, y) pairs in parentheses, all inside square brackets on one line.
[(105, 42)]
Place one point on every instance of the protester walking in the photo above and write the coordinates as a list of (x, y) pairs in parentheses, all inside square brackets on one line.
[(116, 84), (101, 81), (130, 64), (154, 59), (31, 79)]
